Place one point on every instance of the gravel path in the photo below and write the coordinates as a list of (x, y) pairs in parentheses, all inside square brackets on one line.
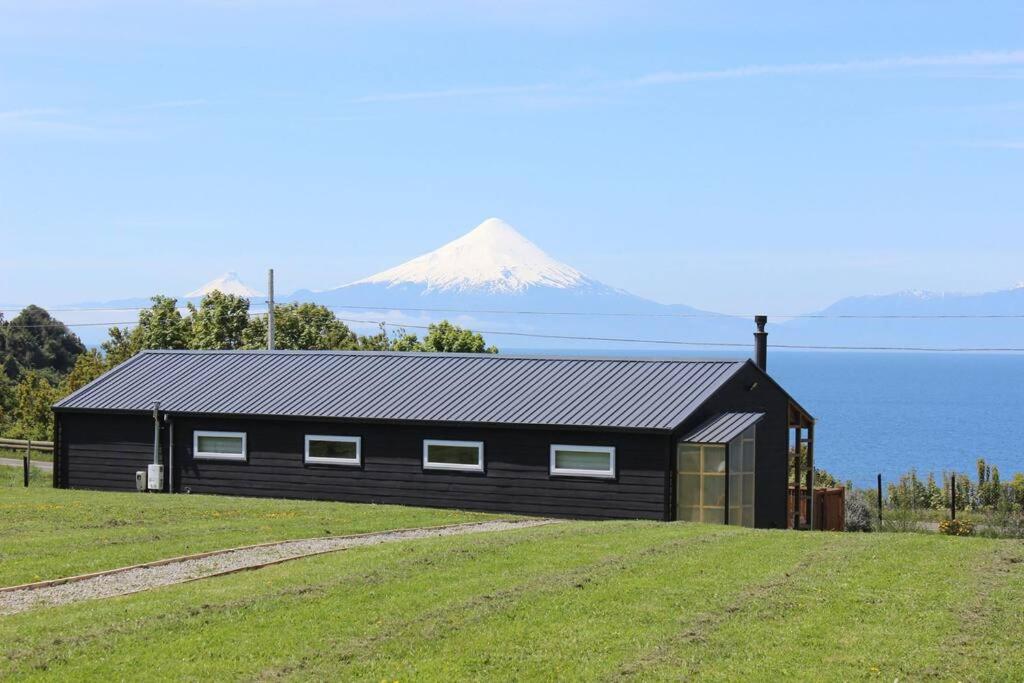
[(14, 462), (142, 578)]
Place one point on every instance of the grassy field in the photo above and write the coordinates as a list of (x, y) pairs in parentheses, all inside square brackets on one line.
[(578, 601), (47, 533)]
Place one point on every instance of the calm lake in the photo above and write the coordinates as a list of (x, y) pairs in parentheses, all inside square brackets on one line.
[(890, 412)]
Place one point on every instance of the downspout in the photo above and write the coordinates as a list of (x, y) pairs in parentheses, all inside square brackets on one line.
[(170, 453), (156, 432)]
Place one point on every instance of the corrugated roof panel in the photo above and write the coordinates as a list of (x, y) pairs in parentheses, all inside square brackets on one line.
[(723, 428), (430, 387)]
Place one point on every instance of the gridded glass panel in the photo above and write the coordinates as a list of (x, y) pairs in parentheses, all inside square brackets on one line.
[(229, 445), (688, 459), (714, 459), (342, 450), (735, 489), (748, 455), (714, 515), (583, 460), (748, 516), (688, 489), (453, 455), (689, 514), (714, 491), (735, 516), (735, 457), (748, 489)]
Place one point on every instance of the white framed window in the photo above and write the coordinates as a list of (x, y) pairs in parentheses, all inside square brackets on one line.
[(333, 450), (453, 455), (218, 445), (583, 461)]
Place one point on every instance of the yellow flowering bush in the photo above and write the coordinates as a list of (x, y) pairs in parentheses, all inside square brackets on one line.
[(956, 527)]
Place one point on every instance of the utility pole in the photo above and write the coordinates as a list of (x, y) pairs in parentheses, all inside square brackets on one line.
[(270, 310)]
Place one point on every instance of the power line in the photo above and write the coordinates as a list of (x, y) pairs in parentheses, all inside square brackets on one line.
[(624, 340), (612, 314)]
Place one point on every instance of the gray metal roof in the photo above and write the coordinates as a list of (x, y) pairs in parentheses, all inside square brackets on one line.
[(723, 428), (654, 394)]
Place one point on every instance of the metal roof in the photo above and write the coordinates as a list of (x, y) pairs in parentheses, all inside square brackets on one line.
[(723, 428), (651, 394)]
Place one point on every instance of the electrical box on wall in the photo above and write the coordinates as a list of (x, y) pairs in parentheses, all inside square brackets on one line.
[(140, 480), (155, 477)]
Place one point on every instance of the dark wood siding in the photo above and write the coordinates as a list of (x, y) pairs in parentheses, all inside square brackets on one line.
[(772, 439), (103, 451)]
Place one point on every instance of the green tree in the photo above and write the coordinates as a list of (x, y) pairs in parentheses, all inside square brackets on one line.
[(32, 416), (161, 326), (301, 327), (88, 367), (220, 321), (448, 337), (35, 340), (122, 343)]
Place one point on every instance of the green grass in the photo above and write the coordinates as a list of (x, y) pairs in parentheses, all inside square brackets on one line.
[(576, 601), (47, 533)]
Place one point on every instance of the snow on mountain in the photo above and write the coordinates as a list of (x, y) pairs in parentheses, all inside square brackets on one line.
[(228, 283), (493, 257), (494, 279)]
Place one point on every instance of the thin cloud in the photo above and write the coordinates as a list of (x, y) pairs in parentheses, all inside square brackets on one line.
[(453, 93), (1000, 144), (970, 59), (173, 104)]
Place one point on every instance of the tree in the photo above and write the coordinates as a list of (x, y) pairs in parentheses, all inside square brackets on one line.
[(161, 326), (301, 327), (219, 322), (445, 336), (34, 340), (122, 343), (88, 367), (32, 417)]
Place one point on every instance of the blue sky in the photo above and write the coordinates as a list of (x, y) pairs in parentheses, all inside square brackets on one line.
[(732, 156)]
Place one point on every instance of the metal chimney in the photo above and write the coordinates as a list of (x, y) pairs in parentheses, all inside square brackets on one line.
[(761, 342)]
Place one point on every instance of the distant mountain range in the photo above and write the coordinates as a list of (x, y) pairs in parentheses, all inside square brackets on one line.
[(475, 279)]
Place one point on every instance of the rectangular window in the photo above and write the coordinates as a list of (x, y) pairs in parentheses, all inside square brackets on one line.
[(218, 445), (583, 461), (453, 455), (333, 450)]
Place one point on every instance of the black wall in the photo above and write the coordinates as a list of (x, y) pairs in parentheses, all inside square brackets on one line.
[(516, 477), (103, 451)]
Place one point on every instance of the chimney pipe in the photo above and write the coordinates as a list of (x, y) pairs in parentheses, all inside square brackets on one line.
[(761, 342)]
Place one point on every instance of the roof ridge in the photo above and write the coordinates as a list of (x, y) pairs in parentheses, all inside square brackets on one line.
[(445, 354)]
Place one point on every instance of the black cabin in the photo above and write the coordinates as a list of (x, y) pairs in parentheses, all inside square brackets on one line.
[(574, 437)]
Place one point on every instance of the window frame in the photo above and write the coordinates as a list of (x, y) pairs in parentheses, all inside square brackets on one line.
[(337, 462), (232, 457), (457, 467), (555, 471)]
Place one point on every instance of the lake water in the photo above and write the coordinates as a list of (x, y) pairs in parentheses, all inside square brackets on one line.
[(890, 412)]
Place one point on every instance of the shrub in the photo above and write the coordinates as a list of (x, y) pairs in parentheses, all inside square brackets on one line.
[(956, 527), (859, 515)]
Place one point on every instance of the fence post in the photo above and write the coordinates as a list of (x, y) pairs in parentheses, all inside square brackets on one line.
[(879, 500), (952, 497), (25, 461)]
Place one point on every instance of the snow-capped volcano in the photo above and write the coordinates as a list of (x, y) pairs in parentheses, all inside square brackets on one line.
[(228, 283), (493, 257)]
